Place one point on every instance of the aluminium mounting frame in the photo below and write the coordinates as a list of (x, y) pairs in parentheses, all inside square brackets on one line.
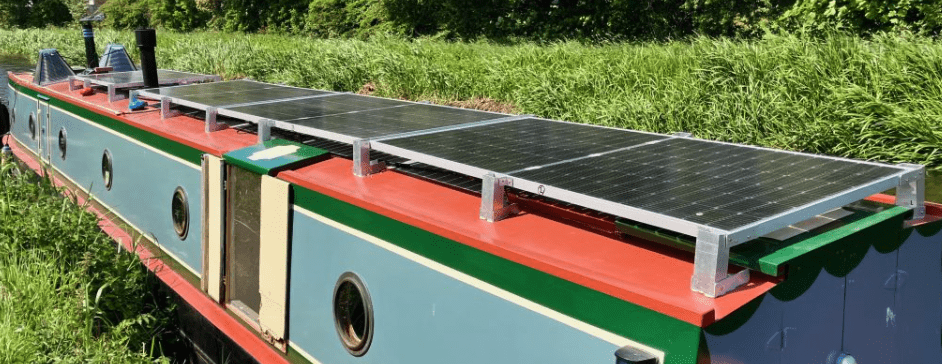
[(88, 81), (711, 260)]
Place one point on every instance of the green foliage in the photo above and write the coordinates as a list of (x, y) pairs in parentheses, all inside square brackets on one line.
[(579, 19), (922, 16), (328, 18), (66, 294), (838, 94), (181, 15), (126, 14), (34, 13)]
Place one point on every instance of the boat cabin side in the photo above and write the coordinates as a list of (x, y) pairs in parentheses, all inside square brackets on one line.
[(327, 266)]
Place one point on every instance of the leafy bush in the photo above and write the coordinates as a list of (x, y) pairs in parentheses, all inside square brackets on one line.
[(183, 15), (923, 16), (34, 14), (328, 18), (838, 94)]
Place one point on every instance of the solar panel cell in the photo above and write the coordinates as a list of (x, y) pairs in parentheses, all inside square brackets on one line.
[(298, 110), (228, 93), (522, 144), (131, 78), (392, 119)]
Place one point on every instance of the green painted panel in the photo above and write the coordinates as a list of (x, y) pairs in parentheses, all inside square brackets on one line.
[(767, 255), (168, 146), (679, 339), (273, 155), (773, 261)]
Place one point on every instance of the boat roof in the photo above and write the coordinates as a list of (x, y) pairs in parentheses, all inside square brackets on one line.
[(653, 276)]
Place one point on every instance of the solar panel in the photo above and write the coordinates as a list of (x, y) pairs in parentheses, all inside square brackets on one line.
[(341, 117), (292, 110), (511, 146), (136, 78), (724, 194), (390, 120), (718, 185), (221, 94), (120, 80), (682, 183)]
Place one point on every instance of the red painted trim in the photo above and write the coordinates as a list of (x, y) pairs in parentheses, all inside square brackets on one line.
[(181, 129), (657, 279), (206, 307), (933, 210)]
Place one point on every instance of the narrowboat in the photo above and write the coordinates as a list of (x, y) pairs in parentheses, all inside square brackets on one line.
[(309, 226)]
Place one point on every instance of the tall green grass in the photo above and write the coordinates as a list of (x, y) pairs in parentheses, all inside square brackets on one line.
[(67, 294), (877, 98)]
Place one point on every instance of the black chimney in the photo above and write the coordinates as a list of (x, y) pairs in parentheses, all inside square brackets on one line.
[(146, 42), (91, 57)]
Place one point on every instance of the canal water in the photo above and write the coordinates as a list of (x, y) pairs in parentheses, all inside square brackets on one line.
[(15, 63), (11, 63)]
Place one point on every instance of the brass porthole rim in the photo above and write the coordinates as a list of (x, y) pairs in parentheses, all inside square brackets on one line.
[(63, 142), (183, 230), (354, 348), (109, 180), (32, 125)]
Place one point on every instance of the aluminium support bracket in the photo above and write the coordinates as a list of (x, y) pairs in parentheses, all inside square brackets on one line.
[(711, 265), (72, 85), (165, 112), (362, 165), (264, 130), (113, 94), (212, 124), (911, 191), (494, 204)]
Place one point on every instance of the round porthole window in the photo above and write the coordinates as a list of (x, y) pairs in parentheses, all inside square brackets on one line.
[(180, 213), (107, 169), (32, 126), (62, 142), (353, 314)]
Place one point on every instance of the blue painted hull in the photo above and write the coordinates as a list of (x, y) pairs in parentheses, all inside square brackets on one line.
[(423, 315), (887, 309)]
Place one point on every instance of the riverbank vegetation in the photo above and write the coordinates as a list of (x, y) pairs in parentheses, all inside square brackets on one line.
[(67, 294), (877, 98), (535, 20)]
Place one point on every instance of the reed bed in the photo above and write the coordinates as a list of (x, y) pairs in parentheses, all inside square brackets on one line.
[(877, 99), (67, 293)]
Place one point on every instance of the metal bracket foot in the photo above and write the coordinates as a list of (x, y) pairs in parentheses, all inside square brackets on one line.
[(911, 191), (711, 265), (72, 85), (211, 123), (362, 165), (165, 112), (113, 94), (494, 206), (264, 130)]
